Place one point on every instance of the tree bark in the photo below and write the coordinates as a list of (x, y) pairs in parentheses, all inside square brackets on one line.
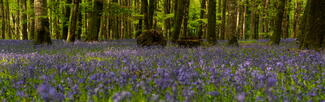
[(297, 17), (276, 37), (31, 31), (65, 22), (167, 11), (41, 23), (178, 20), (254, 20), (2, 18), (231, 27), (186, 4), (202, 16), (94, 21), (223, 20), (24, 20), (73, 21), (212, 19), (313, 25)]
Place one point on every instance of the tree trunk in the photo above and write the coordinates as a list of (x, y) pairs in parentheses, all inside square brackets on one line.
[(41, 23), (286, 22), (223, 21), (65, 22), (2, 18), (186, 4), (276, 37), (73, 21), (243, 33), (24, 19), (202, 16), (231, 27), (79, 23), (94, 21), (212, 19), (313, 25), (178, 20), (167, 11), (7, 19), (297, 17), (254, 20), (31, 31), (151, 12)]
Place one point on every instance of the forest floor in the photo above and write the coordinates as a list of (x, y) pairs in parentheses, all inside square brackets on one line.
[(118, 70)]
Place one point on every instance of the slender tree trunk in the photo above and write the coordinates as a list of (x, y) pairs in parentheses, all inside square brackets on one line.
[(223, 21), (24, 19), (202, 16), (167, 11), (73, 21), (2, 18), (212, 19), (41, 23), (144, 7), (313, 25), (276, 37), (16, 19), (231, 27), (243, 33), (7, 18), (94, 21), (65, 21), (31, 30), (186, 4), (79, 23), (151, 11), (254, 21)]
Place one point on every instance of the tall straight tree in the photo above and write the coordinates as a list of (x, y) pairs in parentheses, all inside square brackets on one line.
[(31, 29), (313, 25), (254, 18), (212, 20), (65, 21), (41, 23), (276, 37), (178, 19), (232, 20), (148, 11), (94, 21), (202, 16), (186, 9), (167, 10), (73, 21), (24, 19), (2, 18), (223, 20)]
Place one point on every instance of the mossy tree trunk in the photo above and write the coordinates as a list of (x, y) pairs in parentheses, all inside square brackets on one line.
[(313, 25), (41, 23)]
